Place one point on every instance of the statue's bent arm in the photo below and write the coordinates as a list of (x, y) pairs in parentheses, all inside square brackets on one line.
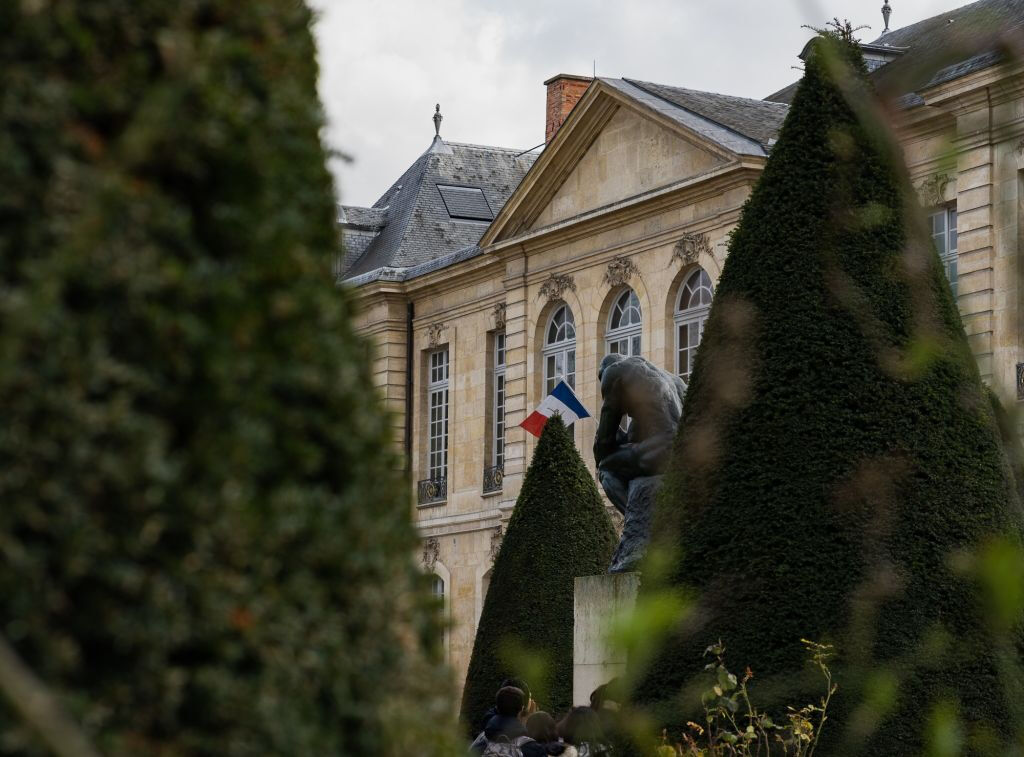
[(605, 441)]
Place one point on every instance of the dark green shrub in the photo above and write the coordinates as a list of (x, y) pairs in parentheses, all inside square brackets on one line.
[(837, 448), (558, 531), (201, 548)]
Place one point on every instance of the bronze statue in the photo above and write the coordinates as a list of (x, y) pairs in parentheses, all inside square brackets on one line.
[(630, 462)]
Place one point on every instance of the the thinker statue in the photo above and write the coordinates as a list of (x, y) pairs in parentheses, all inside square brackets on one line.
[(630, 462)]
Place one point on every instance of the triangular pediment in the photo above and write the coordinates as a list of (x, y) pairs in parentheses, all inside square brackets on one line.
[(612, 148), (632, 155)]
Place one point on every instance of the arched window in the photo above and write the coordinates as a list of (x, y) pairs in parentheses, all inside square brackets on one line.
[(437, 587), (691, 314), (625, 323), (485, 585), (560, 350)]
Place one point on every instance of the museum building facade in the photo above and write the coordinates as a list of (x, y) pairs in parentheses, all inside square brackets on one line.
[(485, 275)]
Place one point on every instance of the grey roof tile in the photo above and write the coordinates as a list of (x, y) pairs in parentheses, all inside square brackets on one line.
[(757, 120), (943, 48), (702, 125), (362, 218), (418, 226), (951, 45)]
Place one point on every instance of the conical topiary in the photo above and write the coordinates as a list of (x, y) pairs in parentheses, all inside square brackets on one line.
[(559, 530), (837, 448), (202, 551)]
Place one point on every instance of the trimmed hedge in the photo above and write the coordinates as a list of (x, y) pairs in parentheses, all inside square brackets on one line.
[(837, 447), (559, 530), (202, 550)]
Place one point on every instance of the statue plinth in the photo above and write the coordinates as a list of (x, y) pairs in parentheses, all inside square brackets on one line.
[(599, 600)]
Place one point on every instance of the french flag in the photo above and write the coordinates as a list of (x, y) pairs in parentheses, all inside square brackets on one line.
[(563, 401)]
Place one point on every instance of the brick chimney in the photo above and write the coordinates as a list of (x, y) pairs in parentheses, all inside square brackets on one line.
[(564, 91)]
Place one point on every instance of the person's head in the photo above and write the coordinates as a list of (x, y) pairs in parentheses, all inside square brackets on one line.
[(581, 726), (609, 360), (510, 701), (541, 727), (607, 696), (517, 683)]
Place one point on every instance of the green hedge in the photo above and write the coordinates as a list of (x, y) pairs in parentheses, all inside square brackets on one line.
[(559, 530), (201, 548), (837, 447)]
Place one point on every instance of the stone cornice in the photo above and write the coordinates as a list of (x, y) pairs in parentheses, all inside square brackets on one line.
[(687, 191), (640, 245), (966, 93)]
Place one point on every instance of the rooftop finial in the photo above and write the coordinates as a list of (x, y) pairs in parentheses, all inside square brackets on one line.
[(438, 118), (886, 12)]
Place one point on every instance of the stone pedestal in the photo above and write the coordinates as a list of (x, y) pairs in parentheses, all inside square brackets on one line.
[(598, 601)]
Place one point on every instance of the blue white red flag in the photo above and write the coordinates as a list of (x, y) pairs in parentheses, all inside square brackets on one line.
[(563, 401)]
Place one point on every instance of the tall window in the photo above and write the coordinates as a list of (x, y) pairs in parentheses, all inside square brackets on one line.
[(625, 324), (437, 589), (437, 389), (944, 234), (691, 315), (560, 350), (498, 455)]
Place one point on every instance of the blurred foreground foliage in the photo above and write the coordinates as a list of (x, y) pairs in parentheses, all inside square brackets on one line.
[(202, 536)]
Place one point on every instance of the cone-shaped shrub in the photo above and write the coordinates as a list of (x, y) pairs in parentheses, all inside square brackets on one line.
[(202, 551), (837, 449), (559, 530)]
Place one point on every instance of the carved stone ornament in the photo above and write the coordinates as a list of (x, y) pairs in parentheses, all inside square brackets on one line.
[(434, 332), (620, 271), (557, 285), (932, 191), (431, 552), (690, 246), (495, 542), (500, 314)]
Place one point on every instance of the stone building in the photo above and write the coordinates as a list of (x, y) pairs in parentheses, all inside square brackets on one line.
[(485, 274)]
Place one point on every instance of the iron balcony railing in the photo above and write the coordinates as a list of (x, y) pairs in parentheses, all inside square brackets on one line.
[(432, 491), (493, 476)]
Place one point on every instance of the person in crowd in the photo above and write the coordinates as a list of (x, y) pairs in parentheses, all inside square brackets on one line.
[(517, 683), (605, 701), (541, 727), (581, 728), (505, 732)]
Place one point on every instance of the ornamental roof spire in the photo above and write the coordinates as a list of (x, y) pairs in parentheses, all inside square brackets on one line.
[(886, 12), (438, 117)]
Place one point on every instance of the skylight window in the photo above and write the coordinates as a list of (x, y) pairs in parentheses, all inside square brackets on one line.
[(465, 203)]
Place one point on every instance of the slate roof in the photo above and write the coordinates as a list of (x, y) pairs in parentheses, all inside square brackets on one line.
[(952, 44), (417, 228), (944, 47), (758, 120), (371, 219)]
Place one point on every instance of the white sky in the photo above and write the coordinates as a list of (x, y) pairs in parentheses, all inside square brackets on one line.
[(385, 63)]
